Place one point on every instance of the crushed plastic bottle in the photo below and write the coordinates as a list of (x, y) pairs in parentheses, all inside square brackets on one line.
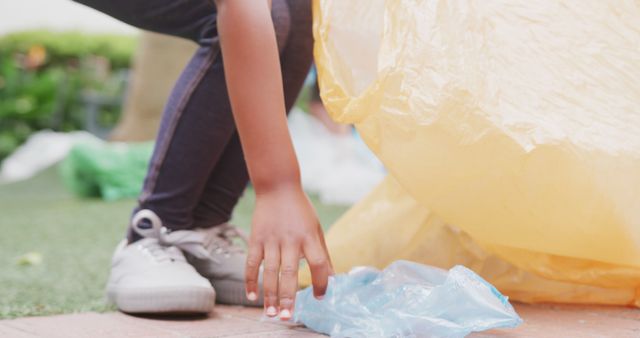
[(406, 300)]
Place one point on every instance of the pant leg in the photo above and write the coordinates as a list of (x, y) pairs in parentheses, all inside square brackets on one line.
[(229, 177)]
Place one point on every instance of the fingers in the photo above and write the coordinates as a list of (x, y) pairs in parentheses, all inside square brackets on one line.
[(324, 246), (288, 280), (270, 278), (252, 271), (319, 265)]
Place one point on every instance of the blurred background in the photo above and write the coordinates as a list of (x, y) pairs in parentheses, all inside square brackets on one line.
[(81, 96)]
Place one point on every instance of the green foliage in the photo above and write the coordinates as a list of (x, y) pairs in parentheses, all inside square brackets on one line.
[(63, 46), (45, 75)]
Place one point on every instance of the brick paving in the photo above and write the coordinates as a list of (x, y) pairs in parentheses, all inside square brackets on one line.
[(557, 321)]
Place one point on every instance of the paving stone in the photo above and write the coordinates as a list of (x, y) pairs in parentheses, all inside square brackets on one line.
[(13, 332), (561, 321), (557, 321), (221, 323), (84, 325)]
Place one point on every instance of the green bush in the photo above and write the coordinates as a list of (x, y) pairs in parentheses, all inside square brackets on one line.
[(45, 75)]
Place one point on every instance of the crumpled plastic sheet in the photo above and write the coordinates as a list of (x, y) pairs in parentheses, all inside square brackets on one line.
[(406, 300), (516, 121), (42, 150)]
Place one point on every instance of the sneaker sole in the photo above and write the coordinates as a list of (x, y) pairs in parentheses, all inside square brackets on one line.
[(192, 300), (233, 293)]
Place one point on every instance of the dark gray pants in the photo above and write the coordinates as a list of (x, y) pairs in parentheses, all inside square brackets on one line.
[(197, 172)]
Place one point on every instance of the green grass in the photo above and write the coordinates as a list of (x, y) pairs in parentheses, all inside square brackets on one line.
[(75, 238)]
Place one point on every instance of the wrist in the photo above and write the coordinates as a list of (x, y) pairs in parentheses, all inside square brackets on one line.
[(277, 183)]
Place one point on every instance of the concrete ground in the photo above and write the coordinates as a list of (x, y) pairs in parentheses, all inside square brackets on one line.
[(558, 321)]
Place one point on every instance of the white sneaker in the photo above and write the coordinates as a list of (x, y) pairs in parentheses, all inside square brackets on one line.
[(225, 264), (150, 277), (216, 256)]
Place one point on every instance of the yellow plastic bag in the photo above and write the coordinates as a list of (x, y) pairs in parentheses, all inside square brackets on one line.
[(517, 121)]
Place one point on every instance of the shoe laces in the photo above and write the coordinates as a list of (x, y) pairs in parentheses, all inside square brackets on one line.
[(204, 242), (158, 251), (221, 239), (186, 240)]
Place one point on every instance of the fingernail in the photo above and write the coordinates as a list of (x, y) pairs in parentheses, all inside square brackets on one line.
[(285, 314), (271, 311), (252, 296), (321, 297)]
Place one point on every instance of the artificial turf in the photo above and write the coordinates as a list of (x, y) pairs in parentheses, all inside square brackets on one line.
[(75, 238)]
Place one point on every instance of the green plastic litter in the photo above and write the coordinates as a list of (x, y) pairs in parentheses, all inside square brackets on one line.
[(110, 171)]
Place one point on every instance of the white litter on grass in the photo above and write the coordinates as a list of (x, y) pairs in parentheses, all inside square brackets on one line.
[(42, 150), (339, 168)]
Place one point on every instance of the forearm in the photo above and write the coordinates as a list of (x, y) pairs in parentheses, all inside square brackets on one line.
[(254, 83)]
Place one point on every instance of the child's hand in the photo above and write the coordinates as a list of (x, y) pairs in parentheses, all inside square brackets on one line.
[(285, 228), (285, 225)]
